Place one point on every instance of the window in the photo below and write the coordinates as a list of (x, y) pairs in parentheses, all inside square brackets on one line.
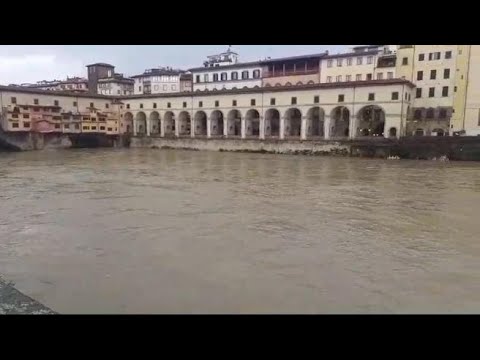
[(395, 95), (438, 56), (215, 77), (445, 91), (184, 104), (13, 100), (217, 103), (234, 75), (329, 79), (253, 102), (390, 75), (405, 61), (370, 60), (15, 125), (272, 101), (369, 77), (359, 61), (26, 116), (446, 73), (380, 76), (349, 62), (430, 114), (35, 101), (419, 75), (174, 87), (75, 104), (91, 105), (85, 128), (431, 92), (421, 57), (316, 99), (66, 126), (294, 100), (417, 115), (119, 92), (205, 77), (234, 102), (155, 88), (371, 97), (448, 55), (223, 76), (245, 75), (169, 105), (200, 104), (154, 105), (442, 114), (348, 78), (256, 74), (329, 63), (433, 74), (57, 126), (165, 87), (26, 124), (102, 127), (77, 126), (55, 102), (110, 129), (358, 77), (140, 89), (141, 106), (106, 106), (341, 98), (15, 116), (94, 128), (197, 78), (339, 62), (339, 78), (128, 106)]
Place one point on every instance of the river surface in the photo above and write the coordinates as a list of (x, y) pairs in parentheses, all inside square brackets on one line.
[(164, 231)]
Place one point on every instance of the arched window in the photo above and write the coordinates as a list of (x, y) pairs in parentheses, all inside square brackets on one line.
[(223, 76), (234, 75), (245, 75), (430, 114), (417, 114)]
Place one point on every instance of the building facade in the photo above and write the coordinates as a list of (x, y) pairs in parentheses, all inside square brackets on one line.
[(158, 81), (73, 84), (116, 85)]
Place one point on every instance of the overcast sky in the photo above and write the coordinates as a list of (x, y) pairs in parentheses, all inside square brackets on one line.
[(23, 64)]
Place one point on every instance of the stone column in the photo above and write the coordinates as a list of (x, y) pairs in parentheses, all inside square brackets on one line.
[(352, 127), (135, 127), (209, 127), (282, 128), (303, 128), (327, 126), (162, 127), (148, 126), (243, 127), (225, 127), (261, 129), (192, 127), (177, 126)]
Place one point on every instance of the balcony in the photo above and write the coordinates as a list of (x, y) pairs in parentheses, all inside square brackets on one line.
[(270, 74)]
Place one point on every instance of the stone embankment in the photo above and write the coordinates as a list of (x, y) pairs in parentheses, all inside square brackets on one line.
[(14, 302)]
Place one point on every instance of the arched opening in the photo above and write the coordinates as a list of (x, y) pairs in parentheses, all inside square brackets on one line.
[(272, 123), (185, 124), (128, 123), (234, 123), (200, 123), (216, 120), (141, 123), (311, 82), (315, 122), (169, 121), (154, 123), (340, 126), (419, 132), (371, 121), (299, 83), (293, 122), (438, 132), (392, 132), (252, 123)]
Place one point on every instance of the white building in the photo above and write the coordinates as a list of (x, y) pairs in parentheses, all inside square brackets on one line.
[(116, 85), (223, 71), (158, 81)]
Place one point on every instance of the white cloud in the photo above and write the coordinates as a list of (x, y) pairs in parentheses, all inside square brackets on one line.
[(36, 67)]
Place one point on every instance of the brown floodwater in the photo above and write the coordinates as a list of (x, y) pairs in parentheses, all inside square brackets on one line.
[(164, 231)]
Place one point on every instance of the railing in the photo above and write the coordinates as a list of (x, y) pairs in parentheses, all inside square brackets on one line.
[(270, 74)]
